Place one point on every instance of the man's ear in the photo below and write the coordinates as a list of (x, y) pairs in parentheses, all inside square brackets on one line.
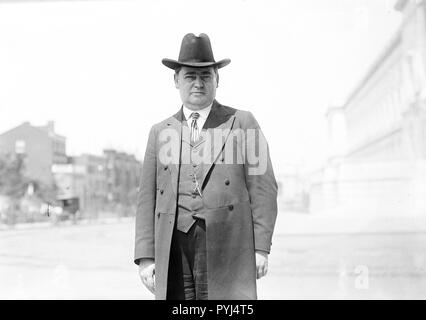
[(217, 80), (176, 78)]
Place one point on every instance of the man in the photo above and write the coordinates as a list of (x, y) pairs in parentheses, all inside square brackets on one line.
[(205, 218)]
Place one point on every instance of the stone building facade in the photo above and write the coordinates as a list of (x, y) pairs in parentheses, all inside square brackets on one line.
[(377, 139)]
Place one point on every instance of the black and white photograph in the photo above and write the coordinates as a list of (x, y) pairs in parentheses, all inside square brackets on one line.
[(212, 150)]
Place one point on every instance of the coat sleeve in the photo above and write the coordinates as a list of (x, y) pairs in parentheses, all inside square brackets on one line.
[(261, 184), (145, 223)]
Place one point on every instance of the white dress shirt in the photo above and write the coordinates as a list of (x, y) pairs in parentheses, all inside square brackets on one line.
[(204, 113)]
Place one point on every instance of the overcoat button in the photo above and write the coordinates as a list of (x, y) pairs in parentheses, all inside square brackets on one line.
[(231, 207), (165, 168), (227, 182), (161, 191), (194, 195)]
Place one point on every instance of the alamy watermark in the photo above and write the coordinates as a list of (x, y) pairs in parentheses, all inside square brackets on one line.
[(248, 147)]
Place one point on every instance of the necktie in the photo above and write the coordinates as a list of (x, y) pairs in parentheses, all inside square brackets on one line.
[(195, 134)]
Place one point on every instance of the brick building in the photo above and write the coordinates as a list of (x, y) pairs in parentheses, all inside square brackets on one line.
[(83, 177), (105, 182), (40, 146), (102, 183), (122, 171)]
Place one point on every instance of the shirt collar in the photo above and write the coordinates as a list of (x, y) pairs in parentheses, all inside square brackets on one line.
[(204, 113)]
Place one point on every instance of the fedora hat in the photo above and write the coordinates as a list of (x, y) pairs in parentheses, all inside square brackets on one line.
[(195, 52)]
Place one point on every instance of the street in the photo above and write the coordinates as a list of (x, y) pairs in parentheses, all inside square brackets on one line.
[(94, 261)]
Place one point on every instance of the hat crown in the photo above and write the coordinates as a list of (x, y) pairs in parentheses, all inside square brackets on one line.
[(195, 52), (196, 49)]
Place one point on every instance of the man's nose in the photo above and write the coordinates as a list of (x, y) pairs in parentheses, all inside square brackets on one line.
[(198, 82)]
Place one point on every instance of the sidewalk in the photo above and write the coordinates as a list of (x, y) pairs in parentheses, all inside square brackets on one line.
[(302, 223), (67, 223)]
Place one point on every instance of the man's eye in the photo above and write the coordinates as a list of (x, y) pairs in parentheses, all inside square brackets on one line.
[(207, 78), (190, 78)]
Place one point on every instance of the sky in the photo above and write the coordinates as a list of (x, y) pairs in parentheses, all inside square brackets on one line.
[(94, 67)]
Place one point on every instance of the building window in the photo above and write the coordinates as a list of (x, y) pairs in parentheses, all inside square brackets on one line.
[(20, 146)]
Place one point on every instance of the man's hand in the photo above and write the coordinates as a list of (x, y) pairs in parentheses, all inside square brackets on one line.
[(147, 273), (261, 264)]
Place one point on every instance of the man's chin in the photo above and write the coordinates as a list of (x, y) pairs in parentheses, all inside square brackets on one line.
[(199, 103)]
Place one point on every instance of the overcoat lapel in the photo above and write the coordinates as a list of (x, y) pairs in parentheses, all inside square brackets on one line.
[(219, 124), (175, 123)]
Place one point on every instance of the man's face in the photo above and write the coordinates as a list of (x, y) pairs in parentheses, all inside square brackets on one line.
[(197, 86)]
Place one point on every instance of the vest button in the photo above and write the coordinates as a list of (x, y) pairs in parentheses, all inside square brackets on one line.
[(227, 182), (194, 195), (161, 191), (231, 207), (165, 168)]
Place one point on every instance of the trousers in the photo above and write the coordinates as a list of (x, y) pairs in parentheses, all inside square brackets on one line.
[(187, 276)]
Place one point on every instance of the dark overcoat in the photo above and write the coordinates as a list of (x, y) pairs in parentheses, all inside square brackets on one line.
[(239, 198)]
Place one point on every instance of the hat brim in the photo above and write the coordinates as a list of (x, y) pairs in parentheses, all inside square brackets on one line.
[(173, 64)]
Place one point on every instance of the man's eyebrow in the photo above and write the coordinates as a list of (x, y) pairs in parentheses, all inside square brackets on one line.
[(194, 72)]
